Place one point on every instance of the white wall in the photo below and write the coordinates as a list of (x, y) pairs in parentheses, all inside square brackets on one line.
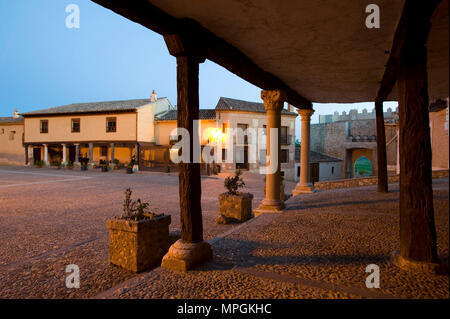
[(326, 168)]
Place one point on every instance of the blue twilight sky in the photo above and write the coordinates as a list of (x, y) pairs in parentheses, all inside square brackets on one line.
[(44, 64)]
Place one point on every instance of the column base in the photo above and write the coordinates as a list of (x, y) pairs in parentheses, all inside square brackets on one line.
[(184, 256), (303, 189), (270, 206), (418, 266)]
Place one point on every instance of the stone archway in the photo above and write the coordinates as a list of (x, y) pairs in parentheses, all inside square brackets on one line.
[(362, 167)]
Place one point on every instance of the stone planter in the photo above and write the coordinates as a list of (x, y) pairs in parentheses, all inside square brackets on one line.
[(104, 168), (138, 245), (129, 170), (236, 207)]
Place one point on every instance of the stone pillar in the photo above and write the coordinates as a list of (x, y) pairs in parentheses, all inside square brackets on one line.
[(91, 154), (46, 162), (418, 250), (273, 103), (190, 250), (30, 155), (304, 185), (112, 154), (77, 154), (381, 149), (64, 158)]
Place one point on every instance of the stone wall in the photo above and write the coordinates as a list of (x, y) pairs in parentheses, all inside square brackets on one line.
[(357, 182)]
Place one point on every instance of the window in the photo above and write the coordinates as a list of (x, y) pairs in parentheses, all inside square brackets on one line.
[(224, 154), (104, 151), (242, 127), (332, 170), (11, 135), (224, 127), (284, 135), (111, 124), (284, 156), (265, 129), (75, 125), (44, 126)]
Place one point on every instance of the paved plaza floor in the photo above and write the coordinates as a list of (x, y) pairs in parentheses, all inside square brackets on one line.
[(318, 247)]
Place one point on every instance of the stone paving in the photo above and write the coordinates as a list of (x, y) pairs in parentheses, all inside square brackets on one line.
[(318, 248)]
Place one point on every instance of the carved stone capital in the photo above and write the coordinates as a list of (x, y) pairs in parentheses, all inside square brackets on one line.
[(305, 114), (273, 99)]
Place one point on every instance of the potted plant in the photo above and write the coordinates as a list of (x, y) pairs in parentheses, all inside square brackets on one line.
[(104, 166), (167, 169), (115, 163), (138, 239), (39, 163), (130, 166), (69, 165), (234, 205)]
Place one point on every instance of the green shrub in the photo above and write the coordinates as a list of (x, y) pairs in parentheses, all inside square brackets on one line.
[(232, 184)]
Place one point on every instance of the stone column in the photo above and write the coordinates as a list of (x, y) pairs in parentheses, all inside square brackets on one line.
[(304, 186), (418, 250), (91, 154), (46, 154), (381, 149), (112, 154), (190, 250), (30, 155), (273, 103), (64, 151), (77, 154)]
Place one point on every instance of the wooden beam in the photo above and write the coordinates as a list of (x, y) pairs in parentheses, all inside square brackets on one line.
[(390, 75), (417, 227), (189, 173), (216, 49), (381, 149)]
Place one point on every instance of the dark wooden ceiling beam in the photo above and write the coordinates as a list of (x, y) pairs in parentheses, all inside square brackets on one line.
[(214, 48), (405, 25)]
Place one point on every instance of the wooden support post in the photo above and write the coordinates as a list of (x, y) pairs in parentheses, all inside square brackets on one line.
[(189, 173), (190, 250), (418, 250), (381, 149)]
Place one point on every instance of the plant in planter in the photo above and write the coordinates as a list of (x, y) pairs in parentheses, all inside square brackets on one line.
[(138, 239), (104, 166), (69, 165), (39, 163), (130, 166), (233, 204), (115, 163)]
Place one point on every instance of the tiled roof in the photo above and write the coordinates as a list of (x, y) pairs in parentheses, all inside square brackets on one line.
[(204, 114), (93, 107), (11, 119), (229, 104), (315, 157)]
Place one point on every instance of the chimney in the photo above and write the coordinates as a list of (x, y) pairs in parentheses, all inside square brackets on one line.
[(290, 108), (15, 114), (153, 97)]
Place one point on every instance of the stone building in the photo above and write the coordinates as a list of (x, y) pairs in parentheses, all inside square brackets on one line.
[(439, 134), (11, 140), (321, 167), (232, 114), (352, 136), (99, 131)]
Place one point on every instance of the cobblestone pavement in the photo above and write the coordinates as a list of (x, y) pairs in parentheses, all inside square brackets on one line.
[(318, 248), (51, 218)]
